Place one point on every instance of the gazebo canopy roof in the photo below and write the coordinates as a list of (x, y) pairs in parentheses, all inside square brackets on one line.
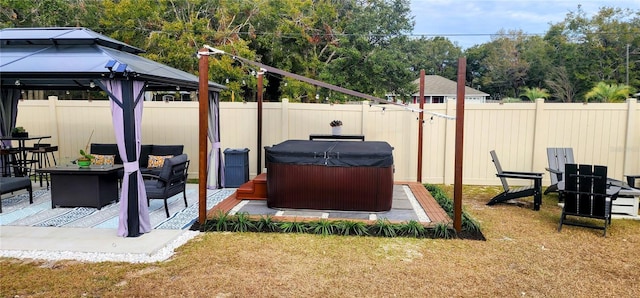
[(70, 58)]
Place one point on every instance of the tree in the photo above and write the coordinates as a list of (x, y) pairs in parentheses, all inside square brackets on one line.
[(357, 44), (560, 84), (592, 49), (49, 13), (297, 36), (536, 52), (506, 67), (604, 92), (534, 93), (476, 68), (173, 31), (437, 56), (135, 22), (368, 57)]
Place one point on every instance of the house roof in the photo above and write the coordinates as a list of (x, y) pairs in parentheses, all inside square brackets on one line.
[(70, 58), (435, 85)]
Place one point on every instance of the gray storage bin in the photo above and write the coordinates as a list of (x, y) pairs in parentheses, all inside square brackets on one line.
[(236, 167)]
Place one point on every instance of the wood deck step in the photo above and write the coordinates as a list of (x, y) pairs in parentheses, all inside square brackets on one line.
[(224, 206), (255, 189)]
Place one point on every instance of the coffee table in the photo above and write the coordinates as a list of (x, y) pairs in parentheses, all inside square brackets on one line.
[(72, 186), (626, 205)]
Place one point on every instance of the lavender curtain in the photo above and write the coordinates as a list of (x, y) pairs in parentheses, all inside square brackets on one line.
[(215, 174), (132, 183)]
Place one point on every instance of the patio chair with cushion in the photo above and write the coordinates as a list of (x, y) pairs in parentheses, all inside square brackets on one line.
[(510, 193), (586, 194), (9, 184), (170, 181), (557, 157)]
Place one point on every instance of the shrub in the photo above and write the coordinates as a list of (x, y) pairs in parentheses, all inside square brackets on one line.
[(266, 224), (470, 224), (442, 230), (293, 227), (382, 227), (412, 228), (322, 227), (219, 222), (356, 228), (241, 222)]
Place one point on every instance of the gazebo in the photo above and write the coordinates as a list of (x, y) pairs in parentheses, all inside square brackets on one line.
[(81, 59)]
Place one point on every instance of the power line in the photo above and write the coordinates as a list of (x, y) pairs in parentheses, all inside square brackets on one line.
[(310, 33)]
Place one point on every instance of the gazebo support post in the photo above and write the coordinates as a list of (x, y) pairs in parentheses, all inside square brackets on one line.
[(129, 124), (203, 98)]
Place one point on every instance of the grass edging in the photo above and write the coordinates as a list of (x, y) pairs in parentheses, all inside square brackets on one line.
[(470, 226), (243, 222)]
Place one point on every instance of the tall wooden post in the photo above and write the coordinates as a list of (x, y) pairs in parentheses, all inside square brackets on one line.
[(203, 116), (457, 181), (259, 152), (420, 125)]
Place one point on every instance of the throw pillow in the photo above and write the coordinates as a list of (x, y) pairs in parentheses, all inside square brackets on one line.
[(99, 159), (156, 161)]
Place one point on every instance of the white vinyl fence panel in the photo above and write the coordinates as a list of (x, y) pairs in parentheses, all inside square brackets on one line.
[(600, 133)]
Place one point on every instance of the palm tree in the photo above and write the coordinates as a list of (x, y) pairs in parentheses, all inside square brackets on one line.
[(603, 92), (535, 93)]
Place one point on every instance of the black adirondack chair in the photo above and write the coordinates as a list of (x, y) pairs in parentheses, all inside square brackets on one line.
[(558, 158), (510, 193), (586, 194), (171, 180)]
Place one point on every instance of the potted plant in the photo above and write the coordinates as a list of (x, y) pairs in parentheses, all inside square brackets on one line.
[(19, 132), (336, 127), (84, 161)]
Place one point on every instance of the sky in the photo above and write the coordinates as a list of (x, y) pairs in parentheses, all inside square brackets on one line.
[(471, 22)]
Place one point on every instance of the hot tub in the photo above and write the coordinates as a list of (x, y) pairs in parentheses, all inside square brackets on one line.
[(354, 176)]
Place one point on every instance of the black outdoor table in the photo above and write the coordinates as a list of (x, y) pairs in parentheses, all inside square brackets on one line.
[(22, 149), (72, 186)]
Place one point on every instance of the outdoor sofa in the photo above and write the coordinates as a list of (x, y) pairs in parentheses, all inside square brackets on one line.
[(151, 156)]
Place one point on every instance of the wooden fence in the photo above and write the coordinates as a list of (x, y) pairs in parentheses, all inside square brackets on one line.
[(600, 133)]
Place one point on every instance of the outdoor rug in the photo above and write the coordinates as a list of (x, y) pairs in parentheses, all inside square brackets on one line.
[(18, 212)]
